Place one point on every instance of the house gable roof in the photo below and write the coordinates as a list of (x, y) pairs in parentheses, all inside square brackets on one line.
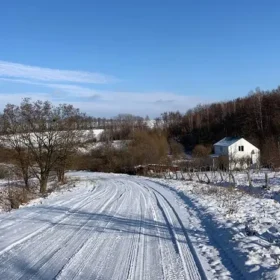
[(227, 141)]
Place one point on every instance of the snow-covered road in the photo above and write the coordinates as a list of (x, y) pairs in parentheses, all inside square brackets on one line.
[(108, 227)]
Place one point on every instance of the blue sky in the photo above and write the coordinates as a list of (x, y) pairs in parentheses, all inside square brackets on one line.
[(137, 56)]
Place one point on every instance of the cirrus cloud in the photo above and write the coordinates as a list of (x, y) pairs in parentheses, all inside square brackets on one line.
[(63, 86), (17, 70)]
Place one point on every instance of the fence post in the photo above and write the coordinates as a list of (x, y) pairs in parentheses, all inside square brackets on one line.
[(182, 175), (222, 179), (208, 180), (170, 177), (266, 180), (197, 175), (233, 179), (249, 179)]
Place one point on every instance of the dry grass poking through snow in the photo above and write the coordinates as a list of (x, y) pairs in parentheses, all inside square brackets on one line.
[(13, 194), (228, 197)]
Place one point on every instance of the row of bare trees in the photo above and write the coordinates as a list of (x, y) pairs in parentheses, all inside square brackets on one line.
[(122, 127), (41, 138), (90, 122)]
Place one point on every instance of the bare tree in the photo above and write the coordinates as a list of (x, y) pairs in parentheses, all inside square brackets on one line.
[(176, 149), (42, 135), (148, 148), (11, 138), (201, 155)]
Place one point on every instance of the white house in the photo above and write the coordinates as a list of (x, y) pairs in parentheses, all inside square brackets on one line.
[(238, 152)]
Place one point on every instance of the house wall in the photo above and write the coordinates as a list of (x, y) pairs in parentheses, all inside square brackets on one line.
[(250, 152), (248, 148), (234, 155)]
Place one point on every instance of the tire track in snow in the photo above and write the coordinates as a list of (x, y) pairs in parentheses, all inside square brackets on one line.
[(191, 252), (114, 243), (164, 272), (192, 266), (49, 227), (138, 270), (133, 243), (115, 198), (34, 233), (151, 248), (74, 242), (89, 248), (228, 260), (33, 212), (27, 236), (48, 251), (172, 263), (124, 231)]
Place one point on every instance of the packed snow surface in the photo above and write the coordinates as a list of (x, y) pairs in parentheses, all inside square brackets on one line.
[(106, 227)]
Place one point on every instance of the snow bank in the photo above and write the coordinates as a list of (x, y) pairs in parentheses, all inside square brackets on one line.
[(242, 225)]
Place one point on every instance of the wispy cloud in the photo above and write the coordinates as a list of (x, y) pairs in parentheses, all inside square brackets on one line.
[(110, 103), (160, 101), (142, 104), (16, 70), (62, 86)]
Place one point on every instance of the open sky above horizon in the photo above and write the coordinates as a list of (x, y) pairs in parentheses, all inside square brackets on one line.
[(140, 57)]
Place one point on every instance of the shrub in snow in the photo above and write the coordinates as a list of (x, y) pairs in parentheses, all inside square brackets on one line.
[(17, 196), (14, 203), (4, 173), (250, 231)]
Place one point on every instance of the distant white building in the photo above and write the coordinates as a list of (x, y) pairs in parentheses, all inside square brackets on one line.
[(237, 153)]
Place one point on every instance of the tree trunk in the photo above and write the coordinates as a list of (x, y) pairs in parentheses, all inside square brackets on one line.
[(60, 175), (26, 182), (43, 184), (25, 173)]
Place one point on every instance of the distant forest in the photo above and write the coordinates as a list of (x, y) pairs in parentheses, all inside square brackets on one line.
[(255, 117)]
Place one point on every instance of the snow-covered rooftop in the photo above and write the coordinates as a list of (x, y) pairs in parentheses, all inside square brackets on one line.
[(227, 141)]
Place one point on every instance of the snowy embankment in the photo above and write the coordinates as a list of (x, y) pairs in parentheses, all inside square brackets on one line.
[(259, 186), (244, 228)]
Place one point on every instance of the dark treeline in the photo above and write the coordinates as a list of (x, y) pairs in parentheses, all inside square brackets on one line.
[(255, 117)]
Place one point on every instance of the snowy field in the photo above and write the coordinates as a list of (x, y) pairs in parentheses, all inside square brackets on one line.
[(108, 226), (243, 224)]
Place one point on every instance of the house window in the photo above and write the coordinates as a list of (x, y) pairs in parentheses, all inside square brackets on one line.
[(241, 148), (221, 149)]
